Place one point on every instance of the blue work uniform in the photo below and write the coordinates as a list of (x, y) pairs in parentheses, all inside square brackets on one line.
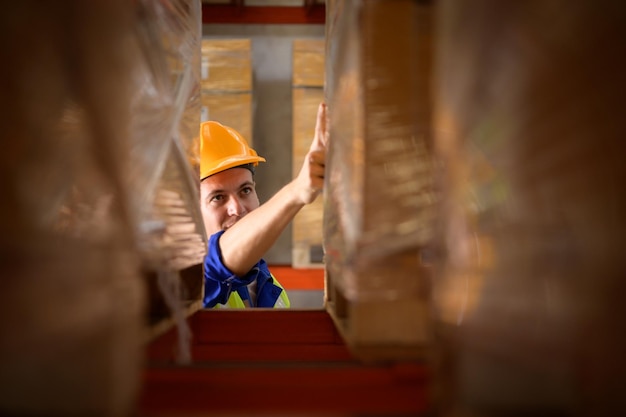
[(222, 288)]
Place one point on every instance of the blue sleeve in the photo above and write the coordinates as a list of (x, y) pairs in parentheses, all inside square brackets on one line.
[(215, 273), (219, 281)]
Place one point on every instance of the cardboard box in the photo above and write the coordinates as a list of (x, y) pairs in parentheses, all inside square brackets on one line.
[(308, 62), (233, 110), (226, 65)]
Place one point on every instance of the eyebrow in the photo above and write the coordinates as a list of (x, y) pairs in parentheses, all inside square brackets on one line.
[(221, 191)]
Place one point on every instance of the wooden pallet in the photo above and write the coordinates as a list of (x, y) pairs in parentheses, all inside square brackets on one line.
[(160, 317), (380, 330)]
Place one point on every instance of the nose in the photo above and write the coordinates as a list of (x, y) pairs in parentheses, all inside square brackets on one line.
[(235, 207)]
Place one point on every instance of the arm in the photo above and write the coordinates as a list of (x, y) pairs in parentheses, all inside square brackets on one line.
[(245, 243)]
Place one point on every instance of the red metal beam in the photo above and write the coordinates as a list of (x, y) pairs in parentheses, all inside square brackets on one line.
[(231, 14), (284, 389)]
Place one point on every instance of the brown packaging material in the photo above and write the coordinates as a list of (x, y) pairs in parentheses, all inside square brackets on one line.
[(93, 113), (380, 195), (531, 131), (72, 298), (380, 199)]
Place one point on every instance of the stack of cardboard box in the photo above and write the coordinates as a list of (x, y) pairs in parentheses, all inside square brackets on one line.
[(226, 80), (307, 94)]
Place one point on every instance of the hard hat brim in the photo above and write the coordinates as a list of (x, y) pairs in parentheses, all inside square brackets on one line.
[(230, 162)]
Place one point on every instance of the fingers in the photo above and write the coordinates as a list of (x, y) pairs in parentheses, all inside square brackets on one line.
[(321, 134), (311, 177), (317, 157), (317, 168), (317, 171)]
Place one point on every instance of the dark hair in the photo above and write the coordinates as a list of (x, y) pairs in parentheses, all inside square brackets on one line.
[(249, 167)]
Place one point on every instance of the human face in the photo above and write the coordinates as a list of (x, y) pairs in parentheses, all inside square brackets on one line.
[(226, 197)]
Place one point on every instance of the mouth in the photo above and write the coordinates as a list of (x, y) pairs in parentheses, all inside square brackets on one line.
[(229, 225)]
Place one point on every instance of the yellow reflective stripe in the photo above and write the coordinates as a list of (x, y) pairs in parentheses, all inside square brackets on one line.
[(283, 299), (235, 301), (280, 303)]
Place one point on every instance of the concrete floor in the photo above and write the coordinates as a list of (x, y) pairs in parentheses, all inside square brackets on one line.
[(306, 299)]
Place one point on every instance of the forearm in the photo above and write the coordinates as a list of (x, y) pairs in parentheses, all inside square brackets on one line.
[(245, 243)]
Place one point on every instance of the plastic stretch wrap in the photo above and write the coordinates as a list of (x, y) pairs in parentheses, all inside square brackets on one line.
[(89, 105), (381, 194), (166, 113), (531, 130)]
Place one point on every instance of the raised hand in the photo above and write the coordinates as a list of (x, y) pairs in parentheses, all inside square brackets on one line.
[(310, 180)]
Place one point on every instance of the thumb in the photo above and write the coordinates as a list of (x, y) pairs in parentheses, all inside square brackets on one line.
[(321, 135)]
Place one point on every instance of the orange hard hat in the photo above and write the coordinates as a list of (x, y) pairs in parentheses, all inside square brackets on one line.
[(222, 147)]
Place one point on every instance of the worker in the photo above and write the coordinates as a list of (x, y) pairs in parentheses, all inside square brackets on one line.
[(240, 230)]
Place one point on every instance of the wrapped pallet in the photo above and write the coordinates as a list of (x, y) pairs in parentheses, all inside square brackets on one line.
[(380, 196), (530, 127), (92, 118), (307, 93), (171, 235)]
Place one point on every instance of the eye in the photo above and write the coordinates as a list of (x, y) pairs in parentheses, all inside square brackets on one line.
[(247, 190), (217, 198)]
